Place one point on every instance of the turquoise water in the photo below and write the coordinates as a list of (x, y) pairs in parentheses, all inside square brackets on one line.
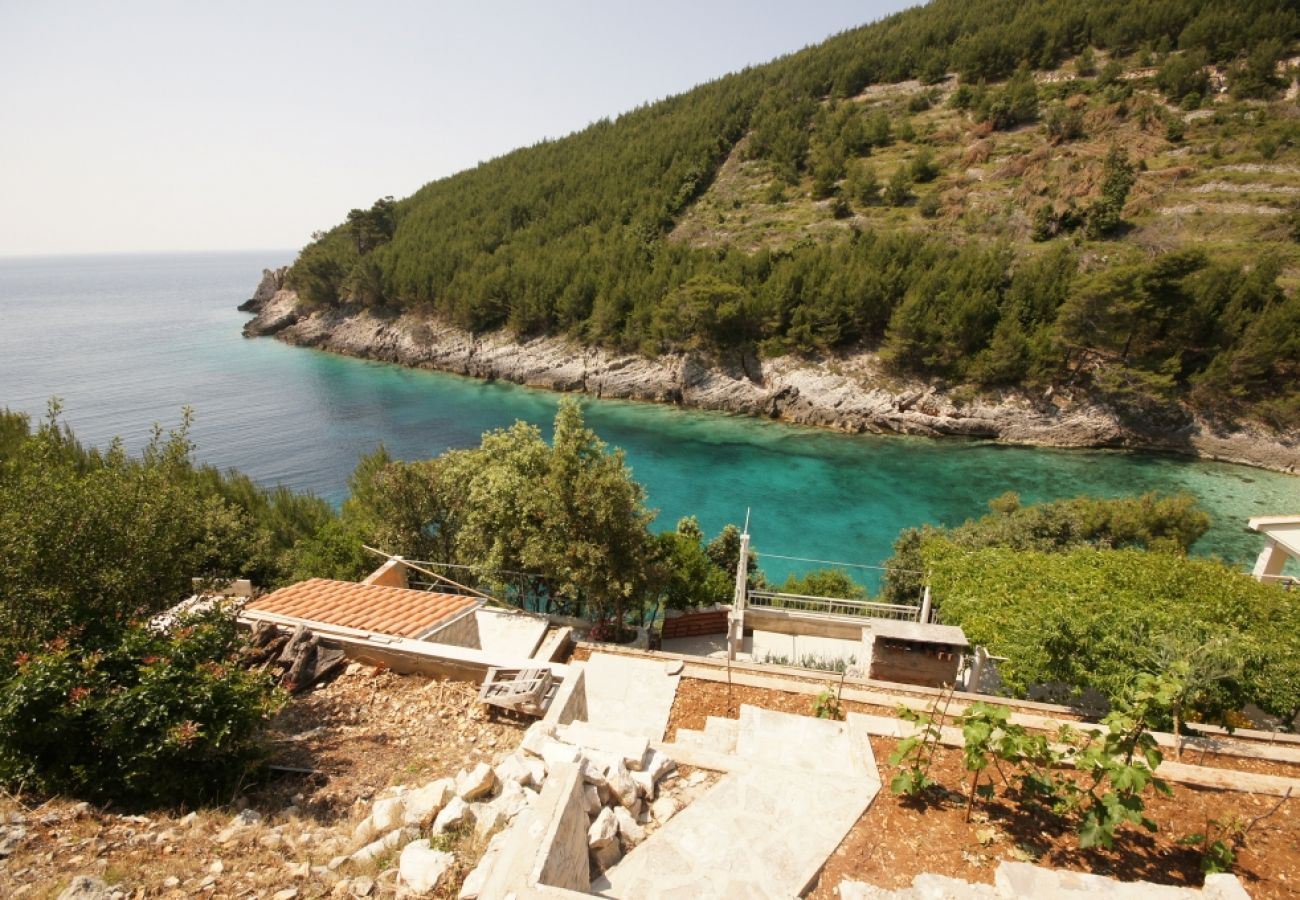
[(126, 341)]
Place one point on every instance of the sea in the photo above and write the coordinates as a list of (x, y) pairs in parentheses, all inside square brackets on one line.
[(127, 342)]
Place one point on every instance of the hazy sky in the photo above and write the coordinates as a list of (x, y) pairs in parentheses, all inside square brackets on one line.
[(133, 126)]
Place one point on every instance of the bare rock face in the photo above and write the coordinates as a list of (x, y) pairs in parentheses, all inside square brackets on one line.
[(272, 282), (846, 391)]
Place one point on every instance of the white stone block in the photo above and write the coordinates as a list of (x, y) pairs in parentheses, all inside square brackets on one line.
[(476, 783), (377, 848), (423, 804), (420, 867), (629, 829), (455, 814), (512, 768), (554, 753), (603, 830), (591, 797), (536, 735)]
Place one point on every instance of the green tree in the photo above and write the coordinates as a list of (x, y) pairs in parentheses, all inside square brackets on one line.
[(1105, 214), (569, 512)]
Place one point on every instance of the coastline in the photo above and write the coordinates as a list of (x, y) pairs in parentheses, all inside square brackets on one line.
[(845, 392)]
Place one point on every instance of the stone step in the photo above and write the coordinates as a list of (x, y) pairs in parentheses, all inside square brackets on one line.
[(723, 733), (759, 834), (820, 746), (691, 737)]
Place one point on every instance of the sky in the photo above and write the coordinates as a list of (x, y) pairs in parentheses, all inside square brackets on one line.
[(136, 126)]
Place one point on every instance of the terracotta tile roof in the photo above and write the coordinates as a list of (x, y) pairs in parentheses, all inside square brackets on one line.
[(366, 607)]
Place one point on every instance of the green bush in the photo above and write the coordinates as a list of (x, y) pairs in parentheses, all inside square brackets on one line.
[(150, 720)]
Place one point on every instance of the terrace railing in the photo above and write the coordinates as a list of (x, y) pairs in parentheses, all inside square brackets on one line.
[(832, 606)]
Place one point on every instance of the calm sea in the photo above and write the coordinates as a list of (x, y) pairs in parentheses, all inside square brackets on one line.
[(127, 341)]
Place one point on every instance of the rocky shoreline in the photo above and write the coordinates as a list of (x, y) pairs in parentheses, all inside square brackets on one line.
[(847, 392)]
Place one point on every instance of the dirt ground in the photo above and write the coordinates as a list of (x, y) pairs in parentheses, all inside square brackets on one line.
[(364, 731), (897, 839)]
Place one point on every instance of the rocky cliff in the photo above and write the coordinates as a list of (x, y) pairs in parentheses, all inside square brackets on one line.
[(272, 281), (848, 392)]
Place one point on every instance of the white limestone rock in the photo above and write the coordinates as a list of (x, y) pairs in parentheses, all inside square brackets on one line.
[(537, 771), (536, 735), (476, 783), (455, 814), (645, 785), (629, 830), (420, 868), (591, 797), (657, 765), (512, 800), (603, 830), (423, 804), (387, 814), (513, 768), (621, 786), (377, 848), (473, 883), (486, 816), (554, 753), (663, 809)]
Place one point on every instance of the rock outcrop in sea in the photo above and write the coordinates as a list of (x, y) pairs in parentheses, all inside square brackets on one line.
[(845, 391)]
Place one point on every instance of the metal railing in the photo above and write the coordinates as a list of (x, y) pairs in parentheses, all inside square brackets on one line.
[(832, 606)]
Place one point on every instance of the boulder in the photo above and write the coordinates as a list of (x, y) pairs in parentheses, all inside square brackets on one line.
[(603, 830), (455, 814), (420, 868), (629, 830), (422, 804), (591, 797), (476, 783)]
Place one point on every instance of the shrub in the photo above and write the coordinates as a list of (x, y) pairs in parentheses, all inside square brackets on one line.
[(1103, 618), (151, 719)]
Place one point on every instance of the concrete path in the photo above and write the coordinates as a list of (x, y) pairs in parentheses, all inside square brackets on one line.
[(634, 696), (765, 831)]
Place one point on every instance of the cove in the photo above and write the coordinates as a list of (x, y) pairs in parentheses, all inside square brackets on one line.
[(129, 341)]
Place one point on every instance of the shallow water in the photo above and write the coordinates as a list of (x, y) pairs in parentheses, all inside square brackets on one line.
[(127, 341)]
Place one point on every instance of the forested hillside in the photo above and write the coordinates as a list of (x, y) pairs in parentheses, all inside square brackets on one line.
[(1100, 197)]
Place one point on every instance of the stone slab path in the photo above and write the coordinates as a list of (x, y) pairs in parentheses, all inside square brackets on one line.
[(765, 831), (634, 696)]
